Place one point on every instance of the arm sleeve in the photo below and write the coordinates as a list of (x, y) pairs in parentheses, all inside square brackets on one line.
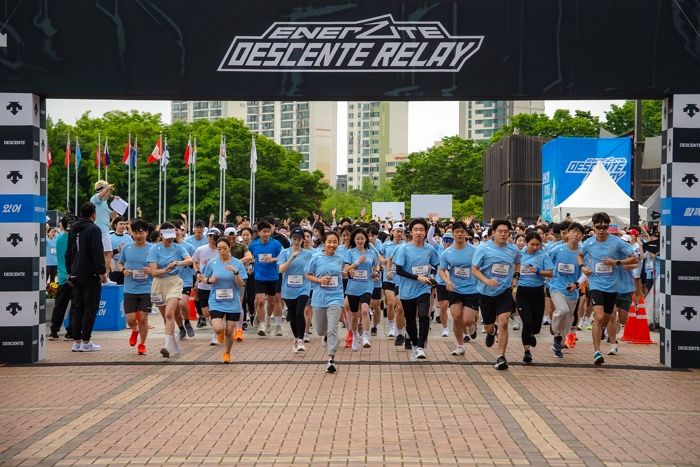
[(401, 272), (431, 234)]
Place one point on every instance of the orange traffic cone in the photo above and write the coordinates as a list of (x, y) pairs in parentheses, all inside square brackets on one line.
[(193, 308), (630, 329), (641, 335)]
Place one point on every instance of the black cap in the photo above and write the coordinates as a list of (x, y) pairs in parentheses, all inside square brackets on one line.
[(199, 222), (298, 231)]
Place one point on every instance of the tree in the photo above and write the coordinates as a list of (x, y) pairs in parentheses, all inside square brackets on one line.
[(350, 204), (620, 119), (472, 207), (562, 123), (454, 167)]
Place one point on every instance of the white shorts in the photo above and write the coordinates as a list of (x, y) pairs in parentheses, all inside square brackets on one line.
[(106, 242)]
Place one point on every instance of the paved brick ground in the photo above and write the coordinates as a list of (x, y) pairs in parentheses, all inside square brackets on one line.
[(271, 407)]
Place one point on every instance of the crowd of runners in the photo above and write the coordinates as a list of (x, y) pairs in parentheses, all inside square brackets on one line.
[(320, 277)]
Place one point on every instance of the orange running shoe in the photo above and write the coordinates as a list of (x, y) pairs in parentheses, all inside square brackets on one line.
[(239, 335), (227, 357), (220, 337), (348, 339), (132, 338), (570, 340), (141, 349)]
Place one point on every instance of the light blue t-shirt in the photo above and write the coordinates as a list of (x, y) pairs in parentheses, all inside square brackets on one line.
[(416, 260), (123, 239), (389, 251), (378, 250), (225, 295), (440, 248), (162, 256), (102, 213), (324, 265), (625, 280), (604, 278), (294, 281), (496, 262), (61, 247), (362, 281), (196, 243), (187, 273), (272, 248), (566, 270), (51, 252), (133, 258), (540, 261), (459, 264)]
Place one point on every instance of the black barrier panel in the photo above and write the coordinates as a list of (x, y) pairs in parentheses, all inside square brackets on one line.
[(685, 349), (19, 274), (685, 278), (297, 49), (19, 142), (685, 143), (19, 344)]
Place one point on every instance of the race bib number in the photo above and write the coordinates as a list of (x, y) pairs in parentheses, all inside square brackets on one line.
[(224, 295), (463, 273), (421, 270), (157, 299), (500, 270), (360, 275), (139, 275), (603, 269), (526, 271), (393, 268), (263, 257), (565, 268), (649, 266), (295, 280), (332, 284), (52, 251)]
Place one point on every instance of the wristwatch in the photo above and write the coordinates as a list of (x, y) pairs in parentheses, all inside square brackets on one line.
[(235, 273), (618, 262)]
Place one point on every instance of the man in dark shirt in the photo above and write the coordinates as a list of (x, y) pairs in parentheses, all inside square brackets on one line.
[(86, 268)]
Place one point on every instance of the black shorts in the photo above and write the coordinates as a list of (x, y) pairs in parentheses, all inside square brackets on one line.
[(623, 301), (491, 307), (278, 287), (186, 290), (134, 302), (377, 293), (267, 287), (355, 300), (605, 299), (388, 286), (203, 297), (442, 293), (227, 316), (345, 285), (470, 300)]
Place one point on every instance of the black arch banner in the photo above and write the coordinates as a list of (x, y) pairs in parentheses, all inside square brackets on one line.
[(345, 49)]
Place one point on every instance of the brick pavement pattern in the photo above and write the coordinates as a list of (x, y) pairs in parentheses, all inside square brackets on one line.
[(273, 407)]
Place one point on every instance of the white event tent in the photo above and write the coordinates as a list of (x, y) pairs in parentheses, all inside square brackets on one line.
[(598, 192)]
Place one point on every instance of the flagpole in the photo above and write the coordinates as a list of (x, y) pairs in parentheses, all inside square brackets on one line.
[(223, 204), (165, 180), (160, 188), (77, 146), (189, 184), (97, 155), (221, 144), (104, 154), (194, 185), (67, 178), (136, 177), (128, 195)]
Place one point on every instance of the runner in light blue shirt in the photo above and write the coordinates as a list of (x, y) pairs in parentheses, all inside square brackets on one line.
[(362, 267), (295, 286)]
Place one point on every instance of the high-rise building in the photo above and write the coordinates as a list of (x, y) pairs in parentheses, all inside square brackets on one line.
[(377, 131), (309, 128), (189, 111), (479, 120)]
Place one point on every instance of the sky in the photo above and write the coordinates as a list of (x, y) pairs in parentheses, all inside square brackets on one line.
[(427, 121)]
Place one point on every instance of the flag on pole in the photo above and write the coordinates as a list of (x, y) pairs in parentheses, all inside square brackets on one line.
[(127, 152), (223, 165), (49, 157), (133, 154), (66, 159), (78, 155), (165, 157), (253, 157), (157, 152), (188, 152), (105, 154), (193, 158)]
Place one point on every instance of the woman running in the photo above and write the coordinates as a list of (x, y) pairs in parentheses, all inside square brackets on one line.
[(361, 266)]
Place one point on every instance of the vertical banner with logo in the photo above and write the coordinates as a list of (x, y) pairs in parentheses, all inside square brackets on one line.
[(23, 149), (680, 232)]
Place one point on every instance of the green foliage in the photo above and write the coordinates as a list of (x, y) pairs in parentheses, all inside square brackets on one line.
[(620, 119), (350, 204), (282, 189), (472, 207), (562, 123)]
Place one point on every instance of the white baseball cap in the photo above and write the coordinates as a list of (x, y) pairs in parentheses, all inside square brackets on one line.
[(230, 230)]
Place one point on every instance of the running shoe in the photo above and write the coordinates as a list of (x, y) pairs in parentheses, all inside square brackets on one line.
[(466, 338), (183, 333), (420, 353), (330, 367), (445, 332), (365, 342), (141, 349), (301, 346), (165, 352), (306, 337), (68, 337), (133, 337), (359, 329), (437, 319), (613, 350), (527, 357), (516, 324), (89, 347), (490, 339), (545, 322), (76, 347), (598, 358), (214, 340), (348, 339), (459, 351), (189, 329), (176, 346), (472, 332), (356, 343), (238, 336), (201, 322), (407, 343), (53, 336), (373, 331), (501, 363), (261, 330), (413, 356), (399, 340), (220, 338), (570, 341), (393, 332), (278, 330), (556, 347), (227, 357)]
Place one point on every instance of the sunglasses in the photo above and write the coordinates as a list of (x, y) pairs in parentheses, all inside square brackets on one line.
[(602, 226)]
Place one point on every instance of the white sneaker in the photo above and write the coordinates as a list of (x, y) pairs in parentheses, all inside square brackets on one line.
[(300, 347), (355, 342), (176, 345), (110, 283), (445, 332), (413, 354), (516, 324), (76, 347), (420, 353), (459, 351), (306, 337), (89, 347), (393, 332), (613, 350), (214, 340), (278, 330), (295, 346), (365, 341)]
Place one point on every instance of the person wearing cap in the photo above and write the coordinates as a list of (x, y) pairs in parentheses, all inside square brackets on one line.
[(165, 260), (198, 238), (598, 259), (200, 258), (292, 262), (394, 311), (100, 199)]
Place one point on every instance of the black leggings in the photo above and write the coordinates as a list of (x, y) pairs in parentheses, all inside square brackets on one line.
[(530, 303), (249, 298), (420, 307), (295, 315)]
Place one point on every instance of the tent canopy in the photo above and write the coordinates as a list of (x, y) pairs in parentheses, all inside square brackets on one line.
[(598, 192)]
